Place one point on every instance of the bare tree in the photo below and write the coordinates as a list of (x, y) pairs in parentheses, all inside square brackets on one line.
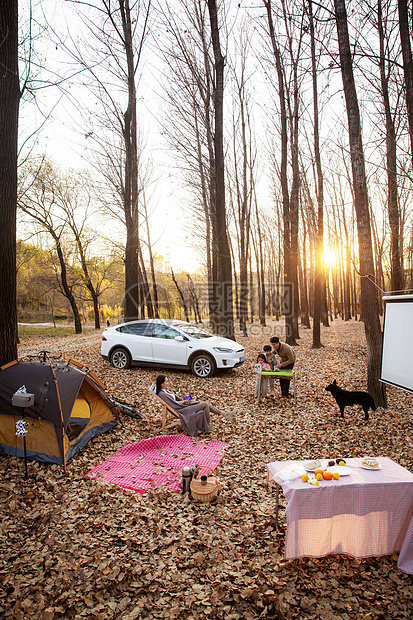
[(369, 305), (289, 202), (195, 128), (117, 33), (194, 299), (381, 46), (319, 277), (189, 119), (241, 177), (74, 201), (146, 218), (40, 202), (294, 46), (9, 112), (405, 34), (223, 268), (181, 295), (391, 158), (257, 241)]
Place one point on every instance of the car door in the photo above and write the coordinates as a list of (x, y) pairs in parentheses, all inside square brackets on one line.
[(136, 337), (166, 349)]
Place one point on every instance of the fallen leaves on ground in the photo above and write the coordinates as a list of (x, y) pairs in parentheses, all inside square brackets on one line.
[(75, 548)]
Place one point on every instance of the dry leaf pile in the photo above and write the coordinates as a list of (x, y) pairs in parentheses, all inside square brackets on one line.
[(75, 548)]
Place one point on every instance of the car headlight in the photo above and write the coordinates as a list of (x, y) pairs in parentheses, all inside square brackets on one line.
[(222, 350)]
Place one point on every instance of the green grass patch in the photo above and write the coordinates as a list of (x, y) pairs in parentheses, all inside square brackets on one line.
[(45, 332)]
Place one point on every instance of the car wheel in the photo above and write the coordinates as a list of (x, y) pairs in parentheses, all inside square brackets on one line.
[(203, 366), (120, 358)]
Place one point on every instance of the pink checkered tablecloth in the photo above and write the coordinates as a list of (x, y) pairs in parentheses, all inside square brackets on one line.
[(365, 514), (157, 462)]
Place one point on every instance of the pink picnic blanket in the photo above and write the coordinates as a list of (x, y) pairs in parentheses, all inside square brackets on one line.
[(157, 462)]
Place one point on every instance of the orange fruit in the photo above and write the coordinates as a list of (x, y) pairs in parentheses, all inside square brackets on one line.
[(319, 476), (320, 470), (336, 475), (327, 475), (304, 477)]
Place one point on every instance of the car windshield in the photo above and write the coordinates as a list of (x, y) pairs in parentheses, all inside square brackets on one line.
[(195, 332)]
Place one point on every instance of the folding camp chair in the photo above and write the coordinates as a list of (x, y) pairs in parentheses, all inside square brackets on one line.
[(166, 409), (287, 374)]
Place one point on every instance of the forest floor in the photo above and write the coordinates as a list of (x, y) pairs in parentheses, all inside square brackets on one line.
[(74, 548)]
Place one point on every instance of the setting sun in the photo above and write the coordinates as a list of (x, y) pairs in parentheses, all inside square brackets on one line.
[(329, 257)]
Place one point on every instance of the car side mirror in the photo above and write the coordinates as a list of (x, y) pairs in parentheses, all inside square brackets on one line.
[(179, 338)]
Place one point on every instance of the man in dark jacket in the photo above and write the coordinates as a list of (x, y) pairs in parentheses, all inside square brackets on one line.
[(287, 361)]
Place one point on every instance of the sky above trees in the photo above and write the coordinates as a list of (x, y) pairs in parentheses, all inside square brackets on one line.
[(64, 116)]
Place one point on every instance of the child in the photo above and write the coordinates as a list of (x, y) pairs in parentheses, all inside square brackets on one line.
[(272, 361), (261, 364)]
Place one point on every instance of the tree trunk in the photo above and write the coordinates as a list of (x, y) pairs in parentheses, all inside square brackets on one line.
[(194, 298), (251, 289), (146, 293), (132, 297), (9, 114), (87, 279), (369, 306), (235, 283), (396, 279), (319, 278), (243, 199), (181, 295), (347, 268), (65, 285), (151, 263), (305, 318), (288, 280), (295, 203), (355, 302), (260, 266), (132, 284), (52, 308), (347, 284), (223, 284), (407, 64), (243, 296), (154, 285)]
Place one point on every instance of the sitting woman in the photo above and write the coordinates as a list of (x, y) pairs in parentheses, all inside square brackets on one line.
[(194, 415)]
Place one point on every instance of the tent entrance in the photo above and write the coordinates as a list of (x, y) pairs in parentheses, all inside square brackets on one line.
[(79, 418)]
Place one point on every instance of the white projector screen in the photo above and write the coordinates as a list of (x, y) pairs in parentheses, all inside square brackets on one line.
[(397, 353)]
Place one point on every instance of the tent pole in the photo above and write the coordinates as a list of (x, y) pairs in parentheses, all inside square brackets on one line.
[(26, 475), (63, 453)]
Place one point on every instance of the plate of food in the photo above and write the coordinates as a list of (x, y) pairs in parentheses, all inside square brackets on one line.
[(311, 465), (369, 462), (340, 469)]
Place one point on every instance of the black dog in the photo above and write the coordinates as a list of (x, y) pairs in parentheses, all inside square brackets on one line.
[(346, 399)]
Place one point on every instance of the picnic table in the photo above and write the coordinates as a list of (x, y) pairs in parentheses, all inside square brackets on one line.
[(365, 514), (283, 374)]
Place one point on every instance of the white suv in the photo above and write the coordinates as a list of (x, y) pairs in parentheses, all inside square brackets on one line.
[(167, 343)]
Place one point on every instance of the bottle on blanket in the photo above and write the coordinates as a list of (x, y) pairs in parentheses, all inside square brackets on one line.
[(186, 479)]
